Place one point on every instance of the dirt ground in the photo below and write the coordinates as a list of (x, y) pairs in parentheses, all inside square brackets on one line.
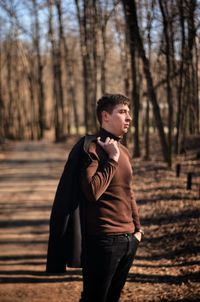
[(167, 263)]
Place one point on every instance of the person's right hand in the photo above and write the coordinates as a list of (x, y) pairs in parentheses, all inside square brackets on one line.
[(138, 235), (111, 147)]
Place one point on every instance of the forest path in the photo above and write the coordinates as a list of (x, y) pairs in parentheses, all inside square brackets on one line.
[(167, 263)]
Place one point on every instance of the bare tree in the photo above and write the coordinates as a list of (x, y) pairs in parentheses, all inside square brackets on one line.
[(40, 85), (87, 25), (168, 55), (132, 24), (71, 92), (57, 77), (187, 114), (135, 91), (158, 69), (150, 16)]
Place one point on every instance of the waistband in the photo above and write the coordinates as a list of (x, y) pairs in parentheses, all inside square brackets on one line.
[(111, 235)]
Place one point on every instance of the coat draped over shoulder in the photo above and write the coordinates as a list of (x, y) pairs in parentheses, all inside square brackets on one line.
[(67, 214)]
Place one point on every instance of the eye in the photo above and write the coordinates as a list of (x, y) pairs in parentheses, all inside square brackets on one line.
[(123, 111)]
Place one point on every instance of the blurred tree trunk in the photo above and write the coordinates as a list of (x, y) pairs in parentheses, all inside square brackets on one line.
[(175, 71), (40, 85), (57, 78), (193, 97), (126, 66), (19, 106), (87, 25), (132, 24), (9, 107), (67, 104), (71, 91), (197, 87), (168, 56), (187, 115), (29, 64), (135, 97), (103, 59), (135, 88), (102, 20), (123, 43), (31, 88), (104, 13), (150, 11), (147, 124), (179, 118)]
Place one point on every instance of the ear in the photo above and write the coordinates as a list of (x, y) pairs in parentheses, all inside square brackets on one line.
[(105, 116)]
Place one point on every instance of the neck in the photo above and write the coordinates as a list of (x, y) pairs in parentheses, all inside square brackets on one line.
[(106, 133)]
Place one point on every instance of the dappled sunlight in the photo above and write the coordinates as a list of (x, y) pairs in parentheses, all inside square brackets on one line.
[(29, 177), (168, 258)]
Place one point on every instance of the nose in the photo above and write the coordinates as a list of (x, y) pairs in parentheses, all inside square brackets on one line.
[(128, 117)]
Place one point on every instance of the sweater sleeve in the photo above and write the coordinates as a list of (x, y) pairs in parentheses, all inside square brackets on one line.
[(135, 212), (135, 215), (96, 177)]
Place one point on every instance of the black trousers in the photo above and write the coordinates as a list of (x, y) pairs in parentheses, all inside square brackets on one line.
[(107, 261)]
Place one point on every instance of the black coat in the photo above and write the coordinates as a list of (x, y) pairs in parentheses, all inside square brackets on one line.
[(67, 215)]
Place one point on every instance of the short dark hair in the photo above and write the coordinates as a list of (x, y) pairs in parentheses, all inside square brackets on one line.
[(108, 102)]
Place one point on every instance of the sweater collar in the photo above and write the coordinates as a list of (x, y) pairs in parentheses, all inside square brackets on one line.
[(104, 134)]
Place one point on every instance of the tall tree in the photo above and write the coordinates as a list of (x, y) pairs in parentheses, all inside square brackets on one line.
[(123, 44), (149, 17), (57, 77), (132, 24), (40, 84), (168, 55), (70, 91), (191, 7), (135, 89), (187, 113), (9, 75), (87, 26)]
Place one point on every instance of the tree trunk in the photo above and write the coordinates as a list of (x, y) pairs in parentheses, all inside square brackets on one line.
[(135, 89), (192, 5), (40, 84), (61, 45), (71, 92), (136, 100), (57, 79), (103, 59), (168, 56), (132, 24), (147, 157), (124, 46), (88, 42), (180, 86), (31, 87), (2, 134), (197, 89), (149, 17), (9, 121)]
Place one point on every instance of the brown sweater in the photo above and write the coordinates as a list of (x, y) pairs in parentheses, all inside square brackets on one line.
[(106, 184)]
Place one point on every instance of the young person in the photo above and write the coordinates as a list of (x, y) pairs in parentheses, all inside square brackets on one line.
[(112, 229)]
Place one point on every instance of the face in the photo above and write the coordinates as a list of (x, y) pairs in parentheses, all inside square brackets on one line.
[(118, 121)]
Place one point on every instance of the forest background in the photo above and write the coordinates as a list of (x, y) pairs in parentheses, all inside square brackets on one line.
[(57, 57)]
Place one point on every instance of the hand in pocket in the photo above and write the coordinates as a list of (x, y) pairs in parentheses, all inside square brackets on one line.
[(138, 236)]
